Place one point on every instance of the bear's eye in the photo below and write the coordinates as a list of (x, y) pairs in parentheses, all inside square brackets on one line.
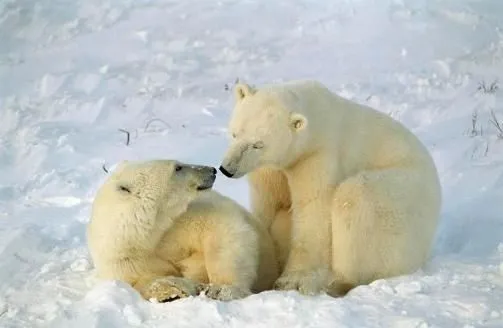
[(258, 145), (178, 168), (233, 136), (124, 189)]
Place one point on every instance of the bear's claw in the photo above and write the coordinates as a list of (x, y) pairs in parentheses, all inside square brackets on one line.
[(305, 282), (225, 292), (168, 289)]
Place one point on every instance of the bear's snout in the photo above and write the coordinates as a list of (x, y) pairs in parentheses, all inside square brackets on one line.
[(225, 172), (208, 180)]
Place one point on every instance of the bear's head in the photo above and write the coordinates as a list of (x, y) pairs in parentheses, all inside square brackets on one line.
[(267, 128), (159, 188)]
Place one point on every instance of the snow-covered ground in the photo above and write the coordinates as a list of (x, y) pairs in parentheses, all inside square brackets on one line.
[(72, 73)]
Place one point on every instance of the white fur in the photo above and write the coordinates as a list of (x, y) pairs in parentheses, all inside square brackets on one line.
[(349, 194), (167, 239)]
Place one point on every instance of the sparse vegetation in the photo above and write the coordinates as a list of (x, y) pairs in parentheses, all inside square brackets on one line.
[(488, 88), (475, 131), (482, 145), (497, 124)]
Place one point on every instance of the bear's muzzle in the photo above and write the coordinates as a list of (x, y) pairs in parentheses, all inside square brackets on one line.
[(225, 172)]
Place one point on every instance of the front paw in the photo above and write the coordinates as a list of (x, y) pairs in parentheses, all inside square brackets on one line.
[(225, 292), (305, 282), (167, 289)]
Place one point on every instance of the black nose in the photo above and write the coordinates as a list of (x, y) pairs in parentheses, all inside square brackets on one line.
[(225, 172), (214, 170)]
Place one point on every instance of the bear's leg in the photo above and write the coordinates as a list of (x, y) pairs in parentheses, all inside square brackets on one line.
[(225, 292), (157, 279), (281, 235), (383, 224), (308, 268), (269, 193), (231, 258)]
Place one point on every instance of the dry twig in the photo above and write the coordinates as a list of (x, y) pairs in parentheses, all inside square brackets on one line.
[(128, 135), (156, 120), (497, 124)]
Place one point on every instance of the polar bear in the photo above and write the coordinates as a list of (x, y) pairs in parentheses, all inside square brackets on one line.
[(349, 194), (158, 226)]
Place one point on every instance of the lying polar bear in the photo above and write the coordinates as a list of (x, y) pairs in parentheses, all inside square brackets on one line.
[(158, 226)]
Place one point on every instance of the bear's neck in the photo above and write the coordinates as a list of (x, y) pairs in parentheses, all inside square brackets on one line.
[(143, 234), (315, 167)]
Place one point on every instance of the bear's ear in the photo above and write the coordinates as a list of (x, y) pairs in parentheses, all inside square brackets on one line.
[(298, 121), (242, 90)]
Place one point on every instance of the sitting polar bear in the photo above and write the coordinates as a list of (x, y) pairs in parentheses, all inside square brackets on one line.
[(349, 194), (157, 226)]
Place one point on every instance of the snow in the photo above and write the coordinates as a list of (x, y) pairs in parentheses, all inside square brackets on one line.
[(72, 73)]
